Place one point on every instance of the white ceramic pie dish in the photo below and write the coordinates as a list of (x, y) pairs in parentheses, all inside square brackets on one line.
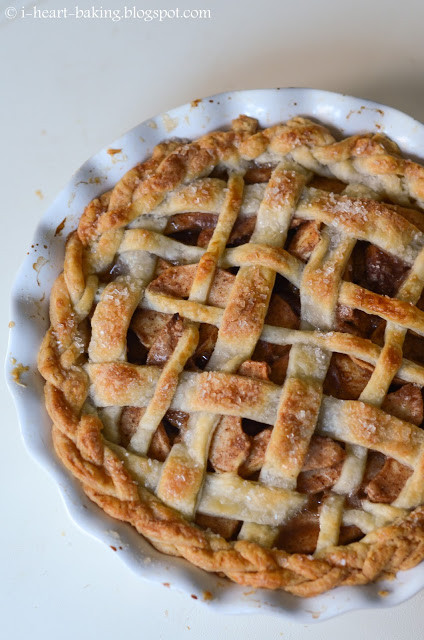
[(29, 312)]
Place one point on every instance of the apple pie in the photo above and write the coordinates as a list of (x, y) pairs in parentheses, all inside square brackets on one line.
[(235, 360)]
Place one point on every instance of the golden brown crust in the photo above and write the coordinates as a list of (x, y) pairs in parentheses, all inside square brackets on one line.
[(78, 432)]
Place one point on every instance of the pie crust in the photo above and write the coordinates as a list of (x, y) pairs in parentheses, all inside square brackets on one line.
[(234, 359)]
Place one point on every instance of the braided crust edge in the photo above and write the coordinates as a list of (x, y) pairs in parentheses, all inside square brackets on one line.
[(77, 436)]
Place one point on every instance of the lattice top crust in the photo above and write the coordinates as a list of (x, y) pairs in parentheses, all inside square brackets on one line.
[(235, 358)]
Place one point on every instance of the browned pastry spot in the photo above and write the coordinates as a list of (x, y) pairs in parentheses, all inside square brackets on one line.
[(161, 266), (413, 215), (254, 369), (92, 213)]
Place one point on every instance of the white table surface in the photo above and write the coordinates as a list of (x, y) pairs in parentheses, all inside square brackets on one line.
[(71, 86)]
